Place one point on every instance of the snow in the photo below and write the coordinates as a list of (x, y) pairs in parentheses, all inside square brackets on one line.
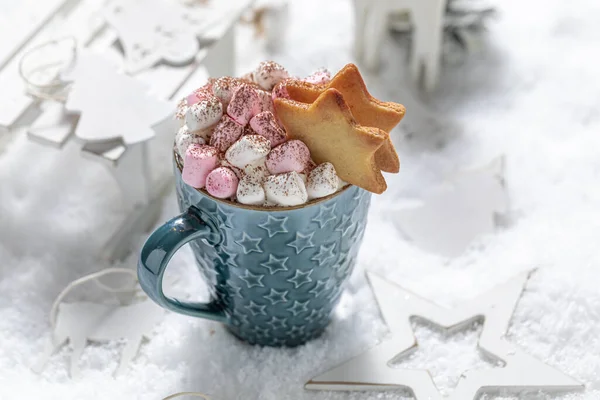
[(532, 93)]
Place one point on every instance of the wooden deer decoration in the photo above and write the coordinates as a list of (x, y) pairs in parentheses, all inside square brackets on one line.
[(427, 20)]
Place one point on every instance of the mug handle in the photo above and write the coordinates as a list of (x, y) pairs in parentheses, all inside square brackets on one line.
[(158, 250)]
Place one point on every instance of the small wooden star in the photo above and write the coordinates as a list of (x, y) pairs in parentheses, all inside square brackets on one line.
[(366, 109), (329, 130)]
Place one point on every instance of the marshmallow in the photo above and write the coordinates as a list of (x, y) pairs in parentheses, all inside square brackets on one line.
[(247, 150), (285, 189), (249, 77), (266, 101), (184, 139), (257, 171), (222, 183), (224, 87), (197, 96), (290, 156), (264, 124), (280, 91), (201, 93), (226, 133), (250, 192), (244, 104), (320, 76), (203, 114), (322, 181), (238, 171), (199, 160), (268, 74), (181, 109)]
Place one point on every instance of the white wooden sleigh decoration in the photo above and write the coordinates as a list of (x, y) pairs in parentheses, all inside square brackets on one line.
[(182, 43)]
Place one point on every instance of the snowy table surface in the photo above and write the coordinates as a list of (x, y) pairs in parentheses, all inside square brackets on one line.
[(532, 93)]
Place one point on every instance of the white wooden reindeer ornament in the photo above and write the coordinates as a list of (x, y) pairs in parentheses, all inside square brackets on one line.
[(427, 20), (83, 322)]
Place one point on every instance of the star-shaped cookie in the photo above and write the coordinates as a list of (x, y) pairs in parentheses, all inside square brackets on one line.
[(367, 110), (329, 130)]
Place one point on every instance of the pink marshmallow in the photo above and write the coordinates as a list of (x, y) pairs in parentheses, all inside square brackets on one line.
[(287, 157), (196, 97), (201, 93), (264, 124), (222, 183), (280, 91), (244, 104), (226, 133), (266, 101), (320, 76), (199, 160)]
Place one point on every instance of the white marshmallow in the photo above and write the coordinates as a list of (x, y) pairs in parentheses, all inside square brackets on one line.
[(250, 192), (247, 150), (257, 171), (224, 87), (268, 74), (286, 189), (322, 181), (185, 138), (203, 114)]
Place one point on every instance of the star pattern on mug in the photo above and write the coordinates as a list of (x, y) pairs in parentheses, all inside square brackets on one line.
[(300, 278), (276, 296), (312, 317), (260, 332), (297, 330), (299, 307), (265, 296), (278, 323), (302, 242), (319, 288), (229, 257), (256, 309), (339, 264), (274, 225), (242, 319), (326, 214), (236, 291), (278, 341), (324, 313), (226, 216), (249, 244), (345, 225), (252, 279), (325, 253), (275, 264)]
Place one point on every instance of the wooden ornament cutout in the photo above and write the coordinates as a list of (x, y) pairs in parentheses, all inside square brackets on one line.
[(453, 214), (371, 370), (80, 322), (155, 31), (112, 105)]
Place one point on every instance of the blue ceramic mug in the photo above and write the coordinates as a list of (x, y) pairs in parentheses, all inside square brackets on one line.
[(275, 273)]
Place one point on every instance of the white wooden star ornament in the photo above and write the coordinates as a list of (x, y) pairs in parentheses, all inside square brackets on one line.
[(372, 370)]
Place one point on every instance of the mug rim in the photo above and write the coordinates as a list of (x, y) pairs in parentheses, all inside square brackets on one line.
[(179, 163)]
